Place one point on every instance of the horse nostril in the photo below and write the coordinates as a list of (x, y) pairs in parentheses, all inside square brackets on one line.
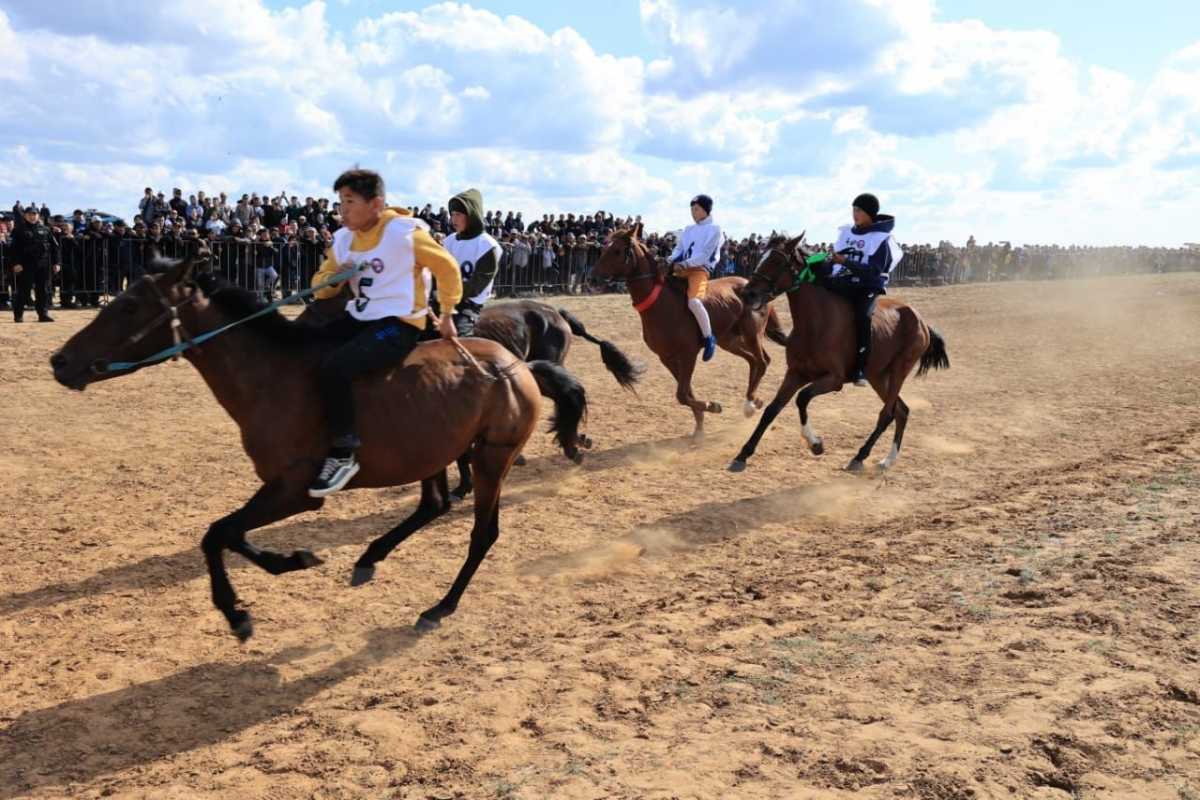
[(58, 361)]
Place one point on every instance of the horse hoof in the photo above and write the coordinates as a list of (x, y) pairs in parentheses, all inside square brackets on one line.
[(576, 457), (737, 465), (244, 629), (714, 408), (520, 462), (749, 409), (307, 559), (458, 495), (855, 466), (818, 448), (361, 575), (585, 442), (427, 624)]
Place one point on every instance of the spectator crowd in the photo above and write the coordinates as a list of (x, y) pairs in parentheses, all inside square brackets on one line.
[(274, 244)]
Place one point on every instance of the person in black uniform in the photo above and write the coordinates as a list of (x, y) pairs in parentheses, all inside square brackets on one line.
[(35, 258)]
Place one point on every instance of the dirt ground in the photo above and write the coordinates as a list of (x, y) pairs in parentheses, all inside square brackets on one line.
[(1010, 613)]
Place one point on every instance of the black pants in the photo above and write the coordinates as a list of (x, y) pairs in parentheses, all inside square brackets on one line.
[(861, 300), (373, 346), (37, 279)]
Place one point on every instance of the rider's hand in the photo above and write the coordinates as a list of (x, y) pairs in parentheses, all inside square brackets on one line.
[(17, 269), (446, 327)]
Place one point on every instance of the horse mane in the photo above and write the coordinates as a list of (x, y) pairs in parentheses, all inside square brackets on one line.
[(240, 303)]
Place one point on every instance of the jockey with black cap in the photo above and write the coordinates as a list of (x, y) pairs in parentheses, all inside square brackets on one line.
[(698, 252), (864, 256)]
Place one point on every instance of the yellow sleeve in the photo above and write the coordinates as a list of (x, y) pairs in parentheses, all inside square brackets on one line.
[(329, 268), (432, 256)]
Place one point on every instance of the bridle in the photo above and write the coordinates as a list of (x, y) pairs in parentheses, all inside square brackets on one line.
[(799, 269), (170, 313)]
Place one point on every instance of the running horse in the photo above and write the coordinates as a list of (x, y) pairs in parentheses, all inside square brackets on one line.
[(670, 330), (415, 419), (820, 349)]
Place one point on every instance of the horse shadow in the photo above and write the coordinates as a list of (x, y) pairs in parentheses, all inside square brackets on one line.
[(80, 740), (534, 482)]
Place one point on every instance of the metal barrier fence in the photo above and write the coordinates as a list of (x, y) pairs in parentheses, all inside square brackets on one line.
[(95, 269)]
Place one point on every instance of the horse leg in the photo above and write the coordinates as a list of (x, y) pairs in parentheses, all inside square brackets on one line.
[(886, 415), (435, 501), (791, 383), (749, 347), (824, 385), (464, 487), (901, 424), (273, 501), (682, 369), (491, 463)]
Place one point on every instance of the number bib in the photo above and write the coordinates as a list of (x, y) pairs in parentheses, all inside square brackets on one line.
[(386, 284)]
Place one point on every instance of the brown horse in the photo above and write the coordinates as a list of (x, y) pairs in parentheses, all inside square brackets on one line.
[(670, 330), (414, 419), (820, 350)]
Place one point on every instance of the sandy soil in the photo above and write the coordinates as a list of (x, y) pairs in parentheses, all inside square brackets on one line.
[(1011, 613)]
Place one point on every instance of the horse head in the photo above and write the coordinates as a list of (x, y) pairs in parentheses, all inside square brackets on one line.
[(139, 322), (783, 259), (626, 257)]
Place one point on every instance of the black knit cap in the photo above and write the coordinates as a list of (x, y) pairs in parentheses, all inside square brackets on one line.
[(867, 203), (704, 201)]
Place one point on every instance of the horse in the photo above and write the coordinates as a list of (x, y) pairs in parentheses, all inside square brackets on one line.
[(820, 349), (447, 398), (670, 330), (538, 335)]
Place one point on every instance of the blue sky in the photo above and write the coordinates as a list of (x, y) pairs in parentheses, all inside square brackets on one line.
[(1020, 120)]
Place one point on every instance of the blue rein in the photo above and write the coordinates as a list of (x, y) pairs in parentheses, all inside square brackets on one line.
[(180, 346)]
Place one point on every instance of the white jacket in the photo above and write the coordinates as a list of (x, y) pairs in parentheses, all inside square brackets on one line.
[(700, 245)]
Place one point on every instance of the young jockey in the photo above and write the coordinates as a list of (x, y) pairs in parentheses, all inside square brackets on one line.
[(697, 253), (864, 257), (478, 257), (387, 313)]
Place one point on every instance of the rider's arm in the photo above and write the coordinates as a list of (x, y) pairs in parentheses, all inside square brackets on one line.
[(485, 271), (329, 268), (432, 256)]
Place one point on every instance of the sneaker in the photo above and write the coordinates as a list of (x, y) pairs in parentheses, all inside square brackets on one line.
[(858, 378), (17, 319), (710, 347), (45, 318), (334, 475)]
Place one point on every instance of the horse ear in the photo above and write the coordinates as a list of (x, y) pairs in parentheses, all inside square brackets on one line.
[(802, 241), (637, 231), (183, 270)]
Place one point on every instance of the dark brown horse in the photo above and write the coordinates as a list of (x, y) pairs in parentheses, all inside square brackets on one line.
[(670, 330), (820, 349), (414, 419)]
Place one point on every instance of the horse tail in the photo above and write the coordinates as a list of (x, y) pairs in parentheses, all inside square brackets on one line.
[(775, 330), (935, 356), (570, 404), (620, 365)]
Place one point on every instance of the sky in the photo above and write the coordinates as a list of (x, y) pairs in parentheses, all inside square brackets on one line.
[(1030, 122)]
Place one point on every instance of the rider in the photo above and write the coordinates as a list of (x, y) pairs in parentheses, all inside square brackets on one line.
[(864, 257), (478, 256), (698, 252), (392, 250)]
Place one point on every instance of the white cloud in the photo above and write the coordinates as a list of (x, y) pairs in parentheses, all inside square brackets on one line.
[(782, 110)]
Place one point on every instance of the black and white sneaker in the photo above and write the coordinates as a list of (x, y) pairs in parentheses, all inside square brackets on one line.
[(334, 475)]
